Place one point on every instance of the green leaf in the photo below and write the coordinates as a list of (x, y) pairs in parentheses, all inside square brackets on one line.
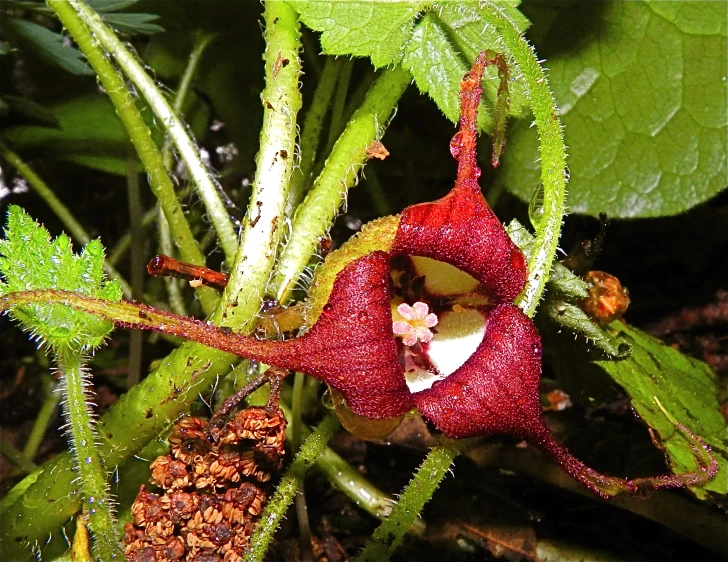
[(21, 109), (30, 260), (435, 42), (127, 22), (47, 44), (378, 30), (686, 388), (134, 23), (642, 93), (103, 146)]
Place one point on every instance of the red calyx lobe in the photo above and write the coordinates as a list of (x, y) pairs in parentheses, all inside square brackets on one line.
[(351, 345), (461, 229)]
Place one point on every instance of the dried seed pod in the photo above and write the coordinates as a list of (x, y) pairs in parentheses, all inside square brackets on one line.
[(209, 509)]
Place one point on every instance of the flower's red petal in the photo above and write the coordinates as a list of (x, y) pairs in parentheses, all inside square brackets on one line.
[(351, 346), (496, 391), (461, 229)]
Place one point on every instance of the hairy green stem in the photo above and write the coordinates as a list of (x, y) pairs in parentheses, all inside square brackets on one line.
[(552, 152), (139, 134), (44, 501), (202, 178), (88, 459), (292, 479), (263, 225), (390, 533), (16, 457), (166, 247), (311, 131), (315, 215), (61, 211)]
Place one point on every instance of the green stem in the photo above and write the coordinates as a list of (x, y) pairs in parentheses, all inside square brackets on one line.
[(292, 479), (552, 152), (376, 192), (166, 247), (124, 243), (49, 497), (139, 134), (88, 460), (16, 457), (174, 286), (347, 479), (205, 183), (263, 225), (315, 215), (390, 533), (137, 262), (337, 109), (43, 419), (202, 40), (61, 211), (311, 132)]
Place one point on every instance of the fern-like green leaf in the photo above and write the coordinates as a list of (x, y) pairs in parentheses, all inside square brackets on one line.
[(30, 259)]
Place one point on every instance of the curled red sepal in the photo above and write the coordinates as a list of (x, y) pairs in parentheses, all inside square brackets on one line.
[(461, 229)]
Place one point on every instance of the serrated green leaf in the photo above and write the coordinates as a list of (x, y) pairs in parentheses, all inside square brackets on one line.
[(642, 96), (686, 388), (378, 30), (30, 260), (47, 44), (438, 48)]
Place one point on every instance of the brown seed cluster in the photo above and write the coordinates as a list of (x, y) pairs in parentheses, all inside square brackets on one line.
[(210, 502)]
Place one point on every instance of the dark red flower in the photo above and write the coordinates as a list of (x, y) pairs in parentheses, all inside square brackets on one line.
[(385, 309)]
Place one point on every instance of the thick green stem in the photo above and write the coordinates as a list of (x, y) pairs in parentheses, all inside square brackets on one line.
[(390, 533), (139, 134), (292, 479), (315, 215), (44, 501), (75, 229), (205, 183), (311, 131), (88, 459), (552, 152), (264, 223)]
